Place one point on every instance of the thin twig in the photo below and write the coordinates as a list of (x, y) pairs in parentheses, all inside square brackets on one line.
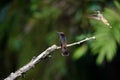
[(79, 42), (34, 61)]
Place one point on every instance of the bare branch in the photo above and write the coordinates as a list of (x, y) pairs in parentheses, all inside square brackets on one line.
[(34, 61), (79, 42)]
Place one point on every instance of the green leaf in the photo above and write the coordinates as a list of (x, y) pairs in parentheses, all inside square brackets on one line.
[(100, 58), (79, 52), (111, 51), (107, 51)]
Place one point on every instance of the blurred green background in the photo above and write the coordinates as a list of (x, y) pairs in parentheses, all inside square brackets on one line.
[(28, 27)]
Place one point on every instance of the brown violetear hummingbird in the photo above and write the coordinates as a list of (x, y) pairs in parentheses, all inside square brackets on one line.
[(63, 43), (99, 16)]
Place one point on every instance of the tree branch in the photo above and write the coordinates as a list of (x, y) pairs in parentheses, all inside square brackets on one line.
[(34, 61)]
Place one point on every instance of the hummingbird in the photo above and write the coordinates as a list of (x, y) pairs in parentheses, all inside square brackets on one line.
[(63, 43), (99, 16)]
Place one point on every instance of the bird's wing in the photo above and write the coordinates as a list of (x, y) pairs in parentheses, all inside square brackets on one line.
[(105, 21), (94, 17)]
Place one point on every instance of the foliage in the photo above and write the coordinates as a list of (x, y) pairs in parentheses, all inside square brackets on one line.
[(107, 39), (79, 52)]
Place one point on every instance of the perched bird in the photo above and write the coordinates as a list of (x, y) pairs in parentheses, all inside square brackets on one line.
[(63, 43), (100, 17)]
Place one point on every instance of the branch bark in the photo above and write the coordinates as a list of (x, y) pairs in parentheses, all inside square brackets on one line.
[(37, 59)]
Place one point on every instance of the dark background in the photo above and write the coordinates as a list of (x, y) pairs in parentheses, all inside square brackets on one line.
[(28, 27)]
